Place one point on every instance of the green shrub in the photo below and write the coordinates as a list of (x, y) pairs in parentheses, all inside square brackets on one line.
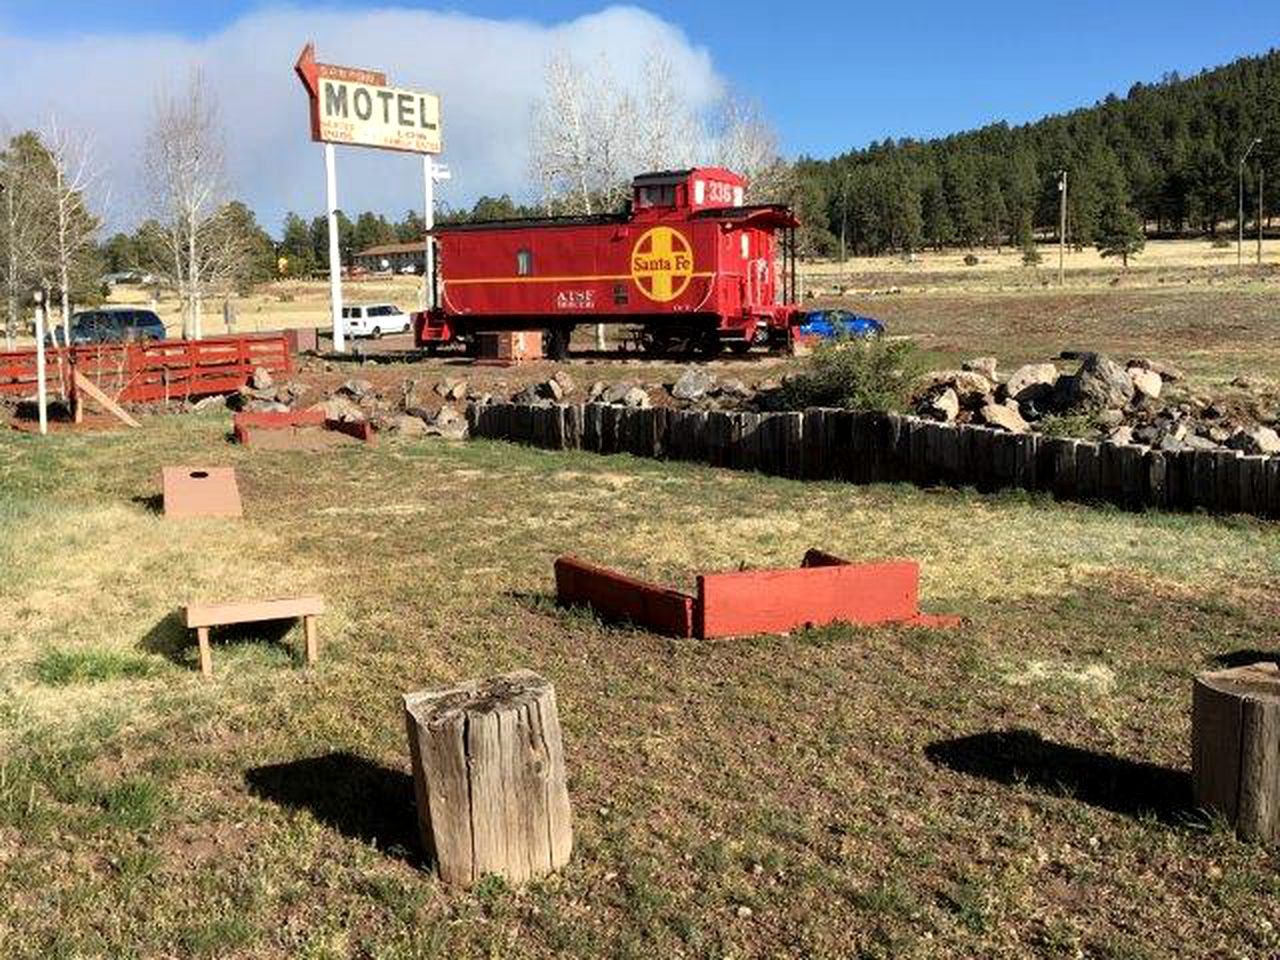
[(854, 374), (1078, 426)]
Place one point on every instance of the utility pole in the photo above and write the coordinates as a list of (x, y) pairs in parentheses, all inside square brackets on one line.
[(1062, 227), (1240, 212), (844, 216), (1259, 214)]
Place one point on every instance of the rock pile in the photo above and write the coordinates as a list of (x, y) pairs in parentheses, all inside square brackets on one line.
[(263, 394), (1141, 402)]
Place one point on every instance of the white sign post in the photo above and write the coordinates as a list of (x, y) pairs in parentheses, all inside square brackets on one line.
[(42, 399), (431, 175), (335, 253), (354, 106)]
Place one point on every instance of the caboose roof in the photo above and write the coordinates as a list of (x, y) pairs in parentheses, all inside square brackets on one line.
[(593, 220), (661, 178)]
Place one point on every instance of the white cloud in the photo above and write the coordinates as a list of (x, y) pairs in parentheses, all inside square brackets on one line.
[(487, 72)]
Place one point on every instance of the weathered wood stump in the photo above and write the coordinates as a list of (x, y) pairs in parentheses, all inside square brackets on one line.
[(1235, 757), (488, 775)]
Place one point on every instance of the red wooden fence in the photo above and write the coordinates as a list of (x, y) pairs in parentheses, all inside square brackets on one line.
[(155, 370)]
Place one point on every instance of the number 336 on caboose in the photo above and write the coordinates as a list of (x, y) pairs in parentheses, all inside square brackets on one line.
[(687, 263)]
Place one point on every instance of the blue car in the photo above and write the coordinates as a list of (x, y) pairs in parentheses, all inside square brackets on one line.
[(831, 324)]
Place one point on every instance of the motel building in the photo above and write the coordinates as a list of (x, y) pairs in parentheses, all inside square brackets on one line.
[(393, 257)]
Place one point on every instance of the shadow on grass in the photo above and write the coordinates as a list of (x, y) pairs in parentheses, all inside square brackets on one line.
[(1099, 779), (171, 639), (152, 504), (1242, 658), (357, 797)]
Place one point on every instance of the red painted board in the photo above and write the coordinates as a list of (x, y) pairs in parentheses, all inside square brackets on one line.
[(360, 429), (618, 597), (775, 601)]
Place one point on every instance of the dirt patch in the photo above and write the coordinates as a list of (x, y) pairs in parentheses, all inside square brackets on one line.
[(301, 438)]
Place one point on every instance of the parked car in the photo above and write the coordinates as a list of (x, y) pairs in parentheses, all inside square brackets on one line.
[(830, 324), (375, 320), (112, 325)]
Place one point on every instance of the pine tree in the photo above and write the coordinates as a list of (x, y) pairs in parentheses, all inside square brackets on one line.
[(295, 247), (1119, 230)]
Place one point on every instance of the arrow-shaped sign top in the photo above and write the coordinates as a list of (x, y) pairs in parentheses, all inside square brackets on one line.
[(308, 70)]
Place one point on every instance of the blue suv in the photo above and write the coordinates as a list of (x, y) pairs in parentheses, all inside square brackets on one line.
[(115, 326)]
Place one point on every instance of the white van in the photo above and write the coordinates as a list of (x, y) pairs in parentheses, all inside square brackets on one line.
[(375, 319)]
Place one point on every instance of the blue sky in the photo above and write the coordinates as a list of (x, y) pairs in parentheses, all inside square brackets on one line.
[(829, 76), (833, 75)]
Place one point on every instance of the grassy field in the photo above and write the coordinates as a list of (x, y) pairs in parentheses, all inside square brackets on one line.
[(1016, 787)]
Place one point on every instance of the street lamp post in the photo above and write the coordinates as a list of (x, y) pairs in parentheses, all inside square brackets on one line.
[(844, 216), (1240, 213)]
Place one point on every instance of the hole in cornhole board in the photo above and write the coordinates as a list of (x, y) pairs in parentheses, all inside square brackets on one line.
[(200, 492)]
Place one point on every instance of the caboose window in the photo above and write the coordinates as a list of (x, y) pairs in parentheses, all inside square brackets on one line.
[(658, 196), (699, 191), (524, 263)]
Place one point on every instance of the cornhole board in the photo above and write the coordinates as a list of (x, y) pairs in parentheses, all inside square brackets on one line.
[(824, 589), (200, 492), (201, 616)]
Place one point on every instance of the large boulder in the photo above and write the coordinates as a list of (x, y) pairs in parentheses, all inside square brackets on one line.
[(406, 425), (1031, 382), (1100, 384), (1258, 440), (944, 406), (972, 389), (1003, 416), (356, 389), (983, 365), (694, 384), (1166, 370), (636, 397), (733, 387), (339, 407), (618, 392), (1146, 383), (452, 389)]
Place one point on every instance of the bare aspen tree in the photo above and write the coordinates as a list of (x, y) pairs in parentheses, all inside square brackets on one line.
[(23, 229), (667, 134), (562, 148), (744, 142), (63, 188), (186, 170)]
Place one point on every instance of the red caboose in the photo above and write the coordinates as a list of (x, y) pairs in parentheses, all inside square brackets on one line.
[(687, 263)]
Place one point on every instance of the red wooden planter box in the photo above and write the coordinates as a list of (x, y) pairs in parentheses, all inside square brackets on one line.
[(823, 590)]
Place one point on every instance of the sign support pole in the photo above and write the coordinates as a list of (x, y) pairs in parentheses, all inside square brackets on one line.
[(429, 253), (335, 255)]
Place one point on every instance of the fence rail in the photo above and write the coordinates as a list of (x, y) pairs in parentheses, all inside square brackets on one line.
[(857, 447), (150, 371)]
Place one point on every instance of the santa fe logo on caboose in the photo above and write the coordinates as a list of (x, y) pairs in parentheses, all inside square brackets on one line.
[(662, 264)]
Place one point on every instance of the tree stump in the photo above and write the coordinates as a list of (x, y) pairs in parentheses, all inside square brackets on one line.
[(488, 775), (1235, 724)]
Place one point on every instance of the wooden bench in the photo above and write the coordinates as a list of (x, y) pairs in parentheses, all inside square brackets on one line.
[(202, 616)]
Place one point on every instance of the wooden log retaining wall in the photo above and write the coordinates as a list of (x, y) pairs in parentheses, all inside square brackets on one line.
[(868, 447)]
